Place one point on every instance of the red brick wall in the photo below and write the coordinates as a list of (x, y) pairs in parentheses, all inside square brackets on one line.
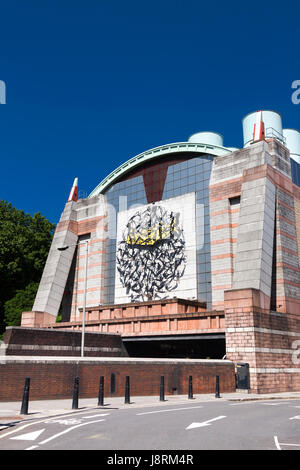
[(50, 342), (52, 379)]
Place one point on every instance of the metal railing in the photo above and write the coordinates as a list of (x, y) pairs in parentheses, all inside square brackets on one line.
[(272, 133)]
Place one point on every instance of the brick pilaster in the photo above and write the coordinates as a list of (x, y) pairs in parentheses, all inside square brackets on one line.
[(268, 341)]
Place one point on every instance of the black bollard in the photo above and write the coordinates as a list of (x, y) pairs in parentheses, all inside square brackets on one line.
[(162, 389), (101, 392), (217, 387), (75, 394), (25, 401), (127, 390), (190, 387)]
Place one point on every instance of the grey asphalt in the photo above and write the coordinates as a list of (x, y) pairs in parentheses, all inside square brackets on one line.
[(10, 412), (233, 422)]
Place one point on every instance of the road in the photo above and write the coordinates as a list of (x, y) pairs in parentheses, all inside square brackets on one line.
[(218, 425)]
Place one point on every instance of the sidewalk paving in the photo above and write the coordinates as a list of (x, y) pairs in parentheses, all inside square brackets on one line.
[(39, 409)]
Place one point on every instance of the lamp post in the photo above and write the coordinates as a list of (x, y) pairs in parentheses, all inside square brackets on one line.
[(63, 248)]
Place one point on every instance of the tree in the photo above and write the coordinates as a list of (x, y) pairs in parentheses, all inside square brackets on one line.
[(21, 302), (24, 245)]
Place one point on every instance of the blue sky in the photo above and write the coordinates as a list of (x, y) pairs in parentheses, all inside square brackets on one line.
[(92, 83)]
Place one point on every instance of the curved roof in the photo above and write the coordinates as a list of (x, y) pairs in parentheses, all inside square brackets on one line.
[(148, 155), (268, 110)]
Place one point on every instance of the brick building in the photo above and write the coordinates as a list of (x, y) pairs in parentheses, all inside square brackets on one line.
[(190, 249)]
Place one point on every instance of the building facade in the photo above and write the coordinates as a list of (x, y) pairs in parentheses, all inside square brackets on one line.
[(190, 249)]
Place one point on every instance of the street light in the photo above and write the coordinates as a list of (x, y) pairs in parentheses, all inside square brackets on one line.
[(63, 248)]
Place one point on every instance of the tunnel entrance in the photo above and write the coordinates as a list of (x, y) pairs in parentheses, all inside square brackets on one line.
[(193, 346)]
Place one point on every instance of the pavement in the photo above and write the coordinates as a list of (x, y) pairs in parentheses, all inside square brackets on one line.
[(10, 412)]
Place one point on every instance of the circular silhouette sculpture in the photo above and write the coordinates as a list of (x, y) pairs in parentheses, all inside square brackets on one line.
[(151, 255)]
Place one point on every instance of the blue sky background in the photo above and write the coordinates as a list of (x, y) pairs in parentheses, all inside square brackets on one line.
[(92, 83)]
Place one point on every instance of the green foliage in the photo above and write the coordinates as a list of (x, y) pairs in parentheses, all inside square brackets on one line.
[(24, 245), (21, 302)]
